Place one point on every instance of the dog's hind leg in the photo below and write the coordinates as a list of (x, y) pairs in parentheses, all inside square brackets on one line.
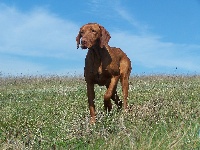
[(124, 77), (116, 99)]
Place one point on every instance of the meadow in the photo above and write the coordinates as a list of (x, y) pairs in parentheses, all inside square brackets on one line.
[(51, 112)]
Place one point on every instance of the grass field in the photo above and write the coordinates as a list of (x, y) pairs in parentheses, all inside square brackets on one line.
[(52, 113)]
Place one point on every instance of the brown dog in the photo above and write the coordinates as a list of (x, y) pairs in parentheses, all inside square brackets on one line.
[(104, 65)]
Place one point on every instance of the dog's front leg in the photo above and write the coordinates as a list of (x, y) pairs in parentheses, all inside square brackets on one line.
[(91, 97), (111, 87)]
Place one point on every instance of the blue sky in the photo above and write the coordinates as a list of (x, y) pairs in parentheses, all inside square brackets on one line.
[(160, 37)]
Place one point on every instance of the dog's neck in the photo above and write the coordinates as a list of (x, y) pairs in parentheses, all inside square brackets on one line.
[(98, 48), (98, 52)]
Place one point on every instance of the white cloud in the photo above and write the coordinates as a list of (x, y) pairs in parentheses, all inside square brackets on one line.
[(15, 66), (128, 17), (150, 51), (36, 33)]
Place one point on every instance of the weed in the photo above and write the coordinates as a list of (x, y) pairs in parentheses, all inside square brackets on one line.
[(52, 113)]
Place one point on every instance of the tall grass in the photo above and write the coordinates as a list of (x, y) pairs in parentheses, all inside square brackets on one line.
[(52, 113)]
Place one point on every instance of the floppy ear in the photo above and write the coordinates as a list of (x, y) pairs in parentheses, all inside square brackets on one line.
[(78, 39), (105, 37)]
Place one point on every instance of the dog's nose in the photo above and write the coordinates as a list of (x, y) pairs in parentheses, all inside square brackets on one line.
[(83, 41)]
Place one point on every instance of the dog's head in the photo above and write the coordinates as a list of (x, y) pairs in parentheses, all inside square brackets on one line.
[(92, 34)]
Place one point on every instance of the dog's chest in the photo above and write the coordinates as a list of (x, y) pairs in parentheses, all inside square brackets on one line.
[(104, 71), (100, 67), (101, 75), (105, 67)]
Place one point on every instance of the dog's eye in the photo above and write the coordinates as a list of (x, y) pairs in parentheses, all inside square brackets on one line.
[(82, 32), (93, 30)]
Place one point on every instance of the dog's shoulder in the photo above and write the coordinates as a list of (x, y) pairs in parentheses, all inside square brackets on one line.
[(118, 52)]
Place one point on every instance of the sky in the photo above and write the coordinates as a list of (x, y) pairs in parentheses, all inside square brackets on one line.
[(38, 37)]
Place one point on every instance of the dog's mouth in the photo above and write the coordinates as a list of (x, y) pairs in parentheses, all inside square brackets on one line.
[(86, 44), (83, 46)]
